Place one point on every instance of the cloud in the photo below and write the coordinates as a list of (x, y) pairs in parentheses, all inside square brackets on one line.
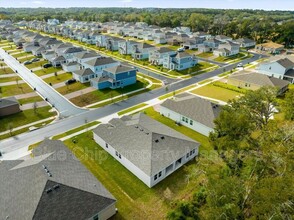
[(126, 1), (37, 2)]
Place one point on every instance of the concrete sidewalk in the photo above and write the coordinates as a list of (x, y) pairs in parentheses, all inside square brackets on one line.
[(31, 105), (8, 75)]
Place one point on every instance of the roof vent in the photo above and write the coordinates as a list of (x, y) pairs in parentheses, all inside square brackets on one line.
[(49, 190), (147, 133), (141, 129), (156, 141), (49, 174), (44, 167), (136, 126), (56, 186), (162, 137), (46, 170)]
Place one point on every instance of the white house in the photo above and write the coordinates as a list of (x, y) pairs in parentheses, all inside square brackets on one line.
[(147, 148), (227, 49), (156, 56), (97, 65), (281, 69), (193, 112)]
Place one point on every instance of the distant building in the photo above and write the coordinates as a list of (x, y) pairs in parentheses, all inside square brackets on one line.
[(150, 150), (52, 185), (191, 111), (245, 42), (53, 21), (270, 47), (8, 106)]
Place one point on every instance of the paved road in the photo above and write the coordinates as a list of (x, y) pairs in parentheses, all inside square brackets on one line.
[(21, 141), (64, 107)]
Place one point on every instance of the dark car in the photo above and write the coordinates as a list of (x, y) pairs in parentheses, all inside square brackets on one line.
[(70, 81), (47, 65)]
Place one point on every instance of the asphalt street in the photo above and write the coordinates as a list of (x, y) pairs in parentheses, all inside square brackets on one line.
[(63, 106), (26, 139)]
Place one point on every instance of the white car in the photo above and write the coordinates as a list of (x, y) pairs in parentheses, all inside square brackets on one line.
[(240, 65)]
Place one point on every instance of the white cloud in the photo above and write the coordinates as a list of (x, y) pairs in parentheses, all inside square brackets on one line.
[(37, 2), (126, 1)]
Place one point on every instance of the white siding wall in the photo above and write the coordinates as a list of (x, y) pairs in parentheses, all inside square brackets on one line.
[(106, 213), (202, 129), (125, 162)]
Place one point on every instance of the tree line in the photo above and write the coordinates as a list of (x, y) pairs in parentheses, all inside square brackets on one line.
[(259, 25)]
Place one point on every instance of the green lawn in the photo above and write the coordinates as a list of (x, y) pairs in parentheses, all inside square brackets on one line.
[(204, 81), (216, 92), (205, 55), (72, 88), (230, 58), (199, 67), (59, 78), (30, 100), (173, 93), (132, 109), (46, 71), (88, 125), (37, 64), (22, 54), (9, 79), (15, 89), (6, 70), (25, 117), (134, 199), (29, 57), (100, 95)]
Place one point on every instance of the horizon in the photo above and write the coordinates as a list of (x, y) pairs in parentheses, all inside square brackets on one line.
[(267, 5)]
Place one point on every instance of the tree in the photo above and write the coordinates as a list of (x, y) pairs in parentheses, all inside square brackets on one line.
[(35, 107), (289, 105)]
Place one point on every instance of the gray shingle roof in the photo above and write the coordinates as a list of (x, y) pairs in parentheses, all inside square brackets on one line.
[(285, 62), (100, 61), (195, 108), (259, 79), (84, 72), (84, 55), (164, 50), (23, 188), (8, 102), (147, 143), (119, 69)]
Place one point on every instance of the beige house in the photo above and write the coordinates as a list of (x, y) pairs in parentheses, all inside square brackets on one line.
[(254, 81), (9, 106)]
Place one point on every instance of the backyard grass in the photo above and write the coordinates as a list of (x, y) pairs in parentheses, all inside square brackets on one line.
[(6, 70), (15, 90), (72, 88), (10, 79), (132, 109), (37, 64), (100, 95), (205, 55), (216, 92), (30, 100), (59, 78), (46, 71), (25, 117), (88, 125)]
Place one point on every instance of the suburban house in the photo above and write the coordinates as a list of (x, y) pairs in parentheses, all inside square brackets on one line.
[(270, 47), (58, 61), (281, 69), (193, 112), (125, 47), (141, 51), (254, 81), (115, 77), (156, 56), (245, 42), (112, 43), (71, 66), (147, 148), (97, 65), (50, 186), (223, 38), (69, 53), (85, 56), (48, 55), (83, 75), (227, 49), (209, 45), (8, 106), (179, 61), (37, 51)]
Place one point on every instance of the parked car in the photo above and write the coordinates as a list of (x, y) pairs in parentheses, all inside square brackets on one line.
[(35, 59), (240, 65), (19, 47), (70, 81), (181, 49), (27, 62), (47, 65)]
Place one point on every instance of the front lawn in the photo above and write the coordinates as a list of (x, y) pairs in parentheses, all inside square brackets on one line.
[(27, 58), (15, 89), (25, 117), (6, 70), (10, 79), (216, 92), (22, 54), (30, 100), (231, 58), (37, 64), (59, 78), (205, 55), (72, 88), (46, 71)]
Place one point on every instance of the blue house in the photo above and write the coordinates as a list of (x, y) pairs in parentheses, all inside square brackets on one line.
[(179, 61), (115, 77)]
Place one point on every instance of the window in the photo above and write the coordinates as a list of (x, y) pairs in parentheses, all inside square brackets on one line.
[(116, 153), (191, 153), (106, 145), (194, 151), (187, 155), (187, 120), (191, 122), (119, 156), (159, 175), (95, 217), (183, 118), (155, 177)]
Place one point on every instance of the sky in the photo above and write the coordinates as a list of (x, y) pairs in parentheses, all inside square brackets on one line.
[(225, 4)]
